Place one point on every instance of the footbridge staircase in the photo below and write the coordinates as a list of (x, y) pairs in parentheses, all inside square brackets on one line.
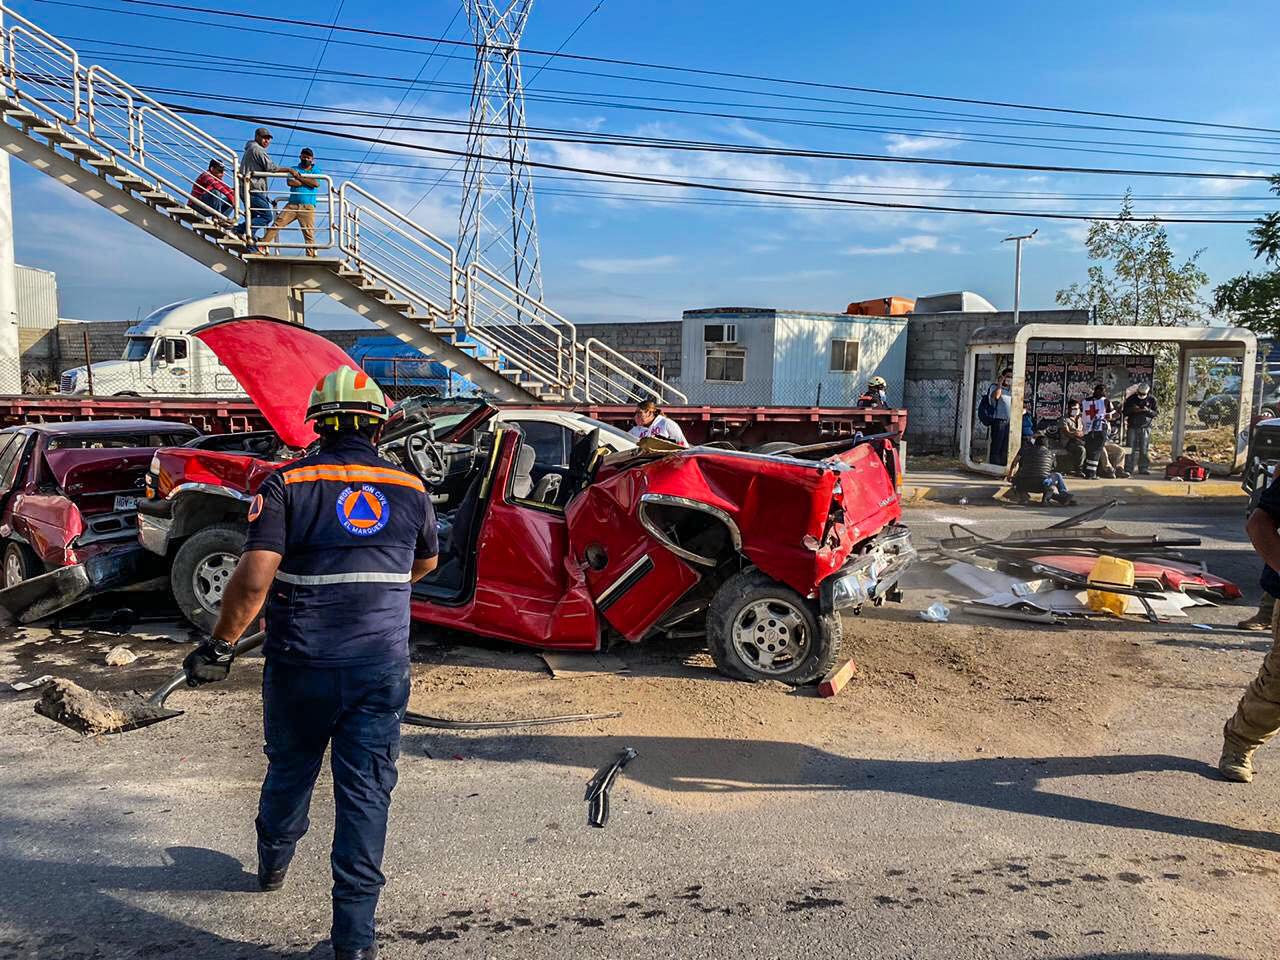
[(104, 138)]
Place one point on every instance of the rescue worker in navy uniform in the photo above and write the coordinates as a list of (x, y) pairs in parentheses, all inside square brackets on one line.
[(335, 541)]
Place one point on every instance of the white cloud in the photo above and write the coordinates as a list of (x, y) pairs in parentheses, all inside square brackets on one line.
[(628, 265), (897, 144), (918, 243)]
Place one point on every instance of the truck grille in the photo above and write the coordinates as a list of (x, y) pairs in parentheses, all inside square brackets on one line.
[(66, 383)]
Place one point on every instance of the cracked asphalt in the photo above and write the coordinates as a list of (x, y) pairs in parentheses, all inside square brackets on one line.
[(802, 840)]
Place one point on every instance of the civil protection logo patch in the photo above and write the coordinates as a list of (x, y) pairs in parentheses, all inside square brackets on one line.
[(255, 508), (363, 510)]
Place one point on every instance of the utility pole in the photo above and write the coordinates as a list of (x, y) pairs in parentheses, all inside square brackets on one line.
[(1017, 270)]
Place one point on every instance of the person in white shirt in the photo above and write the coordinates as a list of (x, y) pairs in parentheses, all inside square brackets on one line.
[(651, 423)]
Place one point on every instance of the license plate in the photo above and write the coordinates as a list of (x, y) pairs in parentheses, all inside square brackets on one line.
[(126, 503)]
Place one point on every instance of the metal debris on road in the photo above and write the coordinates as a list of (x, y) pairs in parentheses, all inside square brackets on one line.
[(598, 787), (30, 684), (440, 723)]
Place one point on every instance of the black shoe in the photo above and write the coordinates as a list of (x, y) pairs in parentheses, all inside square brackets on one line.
[(364, 953), (269, 880)]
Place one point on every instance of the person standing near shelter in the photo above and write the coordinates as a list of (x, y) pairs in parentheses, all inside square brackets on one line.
[(1139, 413), (1257, 717), (211, 192), (1098, 415), (335, 541), (257, 161), (649, 422), (301, 206), (998, 401)]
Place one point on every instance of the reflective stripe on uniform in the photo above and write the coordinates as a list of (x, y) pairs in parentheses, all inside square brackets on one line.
[(315, 580), (353, 473)]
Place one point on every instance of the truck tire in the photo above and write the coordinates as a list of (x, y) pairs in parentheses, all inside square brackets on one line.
[(20, 563), (760, 629), (201, 569)]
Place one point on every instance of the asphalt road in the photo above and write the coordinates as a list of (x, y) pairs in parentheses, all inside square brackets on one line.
[(793, 844)]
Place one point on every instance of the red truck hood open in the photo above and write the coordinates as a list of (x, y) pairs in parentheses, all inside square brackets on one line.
[(278, 364)]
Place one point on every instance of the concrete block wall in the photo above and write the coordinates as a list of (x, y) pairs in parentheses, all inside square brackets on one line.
[(637, 341)]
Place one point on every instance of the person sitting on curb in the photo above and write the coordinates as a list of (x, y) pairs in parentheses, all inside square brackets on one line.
[(1071, 434), (1032, 471)]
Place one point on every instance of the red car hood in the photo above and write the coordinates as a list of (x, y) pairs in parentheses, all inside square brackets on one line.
[(278, 364)]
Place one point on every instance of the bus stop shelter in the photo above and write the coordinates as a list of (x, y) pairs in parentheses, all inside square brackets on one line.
[(1012, 342)]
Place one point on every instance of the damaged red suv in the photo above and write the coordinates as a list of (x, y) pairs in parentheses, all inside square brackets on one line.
[(69, 493), (764, 552)]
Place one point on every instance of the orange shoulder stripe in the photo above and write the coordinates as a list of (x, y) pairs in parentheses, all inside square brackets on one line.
[(353, 473)]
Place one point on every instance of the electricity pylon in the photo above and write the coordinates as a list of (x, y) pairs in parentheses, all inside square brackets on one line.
[(497, 226)]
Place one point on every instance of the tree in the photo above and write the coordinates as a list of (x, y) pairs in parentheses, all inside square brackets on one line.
[(1253, 300), (1133, 278)]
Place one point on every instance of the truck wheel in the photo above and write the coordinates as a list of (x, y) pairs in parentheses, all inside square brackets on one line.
[(759, 629), (202, 567), (20, 563)]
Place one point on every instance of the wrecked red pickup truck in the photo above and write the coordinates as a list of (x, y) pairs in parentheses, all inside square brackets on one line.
[(763, 552), (68, 498)]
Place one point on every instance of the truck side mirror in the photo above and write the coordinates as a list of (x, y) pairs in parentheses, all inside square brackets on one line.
[(170, 353)]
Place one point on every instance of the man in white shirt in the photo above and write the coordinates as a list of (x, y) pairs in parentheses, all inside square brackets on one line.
[(651, 423)]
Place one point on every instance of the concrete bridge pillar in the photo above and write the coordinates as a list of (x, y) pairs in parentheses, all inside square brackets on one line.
[(272, 292)]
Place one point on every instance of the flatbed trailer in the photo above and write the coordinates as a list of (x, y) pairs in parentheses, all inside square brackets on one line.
[(740, 427)]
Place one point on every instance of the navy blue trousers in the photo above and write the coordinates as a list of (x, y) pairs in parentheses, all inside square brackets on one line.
[(999, 442), (358, 710)]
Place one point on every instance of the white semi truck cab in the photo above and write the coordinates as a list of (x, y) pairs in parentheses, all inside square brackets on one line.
[(162, 359)]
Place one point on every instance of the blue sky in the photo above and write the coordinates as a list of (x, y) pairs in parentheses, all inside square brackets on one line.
[(607, 256)]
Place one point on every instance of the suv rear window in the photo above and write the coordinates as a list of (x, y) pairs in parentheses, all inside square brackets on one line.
[(111, 442)]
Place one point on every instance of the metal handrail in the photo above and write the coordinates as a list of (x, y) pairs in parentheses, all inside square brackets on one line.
[(609, 361), (48, 40), (328, 206)]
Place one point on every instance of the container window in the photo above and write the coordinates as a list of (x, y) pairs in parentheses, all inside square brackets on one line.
[(844, 356), (726, 364)]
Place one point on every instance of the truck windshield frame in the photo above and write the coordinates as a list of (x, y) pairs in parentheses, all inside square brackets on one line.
[(137, 348)]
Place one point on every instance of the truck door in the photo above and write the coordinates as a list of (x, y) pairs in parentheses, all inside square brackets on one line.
[(171, 365), (633, 579), (209, 378)]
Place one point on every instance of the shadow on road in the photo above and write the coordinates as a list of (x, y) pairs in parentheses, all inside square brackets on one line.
[(1014, 785), (43, 895)]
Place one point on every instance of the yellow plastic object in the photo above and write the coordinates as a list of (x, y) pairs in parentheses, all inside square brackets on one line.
[(1112, 570)]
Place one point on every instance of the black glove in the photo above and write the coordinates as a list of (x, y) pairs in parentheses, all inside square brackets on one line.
[(209, 662)]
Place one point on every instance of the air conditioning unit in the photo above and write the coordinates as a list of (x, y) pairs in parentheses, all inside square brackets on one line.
[(720, 333)]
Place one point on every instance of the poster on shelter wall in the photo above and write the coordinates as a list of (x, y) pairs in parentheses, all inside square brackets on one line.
[(1060, 377), (1047, 397)]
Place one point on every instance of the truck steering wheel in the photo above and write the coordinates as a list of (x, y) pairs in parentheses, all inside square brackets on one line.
[(426, 459)]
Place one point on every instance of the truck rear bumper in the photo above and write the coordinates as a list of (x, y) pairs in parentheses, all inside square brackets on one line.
[(155, 520), (871, 577)]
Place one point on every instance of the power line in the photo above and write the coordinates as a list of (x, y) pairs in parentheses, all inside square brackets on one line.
[(553, 135), (422, 69), (1059, 143), (695, 185), (614, 61), (306, 95)]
